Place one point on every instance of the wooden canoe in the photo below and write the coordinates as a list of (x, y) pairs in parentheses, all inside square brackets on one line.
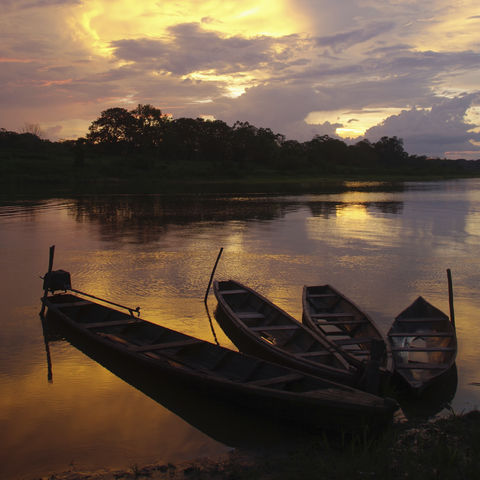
[(244, 380), (424, 344), (258, 327), (340, 322)]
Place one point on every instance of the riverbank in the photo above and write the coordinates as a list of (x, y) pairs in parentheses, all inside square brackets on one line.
[(51, 186), (444, 449), (51, 170)]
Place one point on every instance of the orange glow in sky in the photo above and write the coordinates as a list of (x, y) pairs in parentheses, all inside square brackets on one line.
[(345, 69)]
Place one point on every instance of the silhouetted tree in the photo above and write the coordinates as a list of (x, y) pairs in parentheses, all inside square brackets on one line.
[(33, 128), (325, 153), (215, 142), (182, 138), (390, 150), (242, 137), (9, 139), (292, 155), (78, 149), (363, 154), (149, 127), (115, 126)]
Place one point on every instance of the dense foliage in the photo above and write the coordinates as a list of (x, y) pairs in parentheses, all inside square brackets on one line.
[(146, 139)]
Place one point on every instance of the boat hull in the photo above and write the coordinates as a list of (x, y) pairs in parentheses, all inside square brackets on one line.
[(424, 345), (258, 327), (347, 328), (174, 357)]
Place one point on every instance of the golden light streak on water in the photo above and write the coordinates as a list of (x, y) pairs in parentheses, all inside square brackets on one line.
[(82, 389), (355, 213), (380, 248)]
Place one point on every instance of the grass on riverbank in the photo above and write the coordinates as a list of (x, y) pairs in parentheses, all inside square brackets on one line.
[(47, 172), (445, 449)]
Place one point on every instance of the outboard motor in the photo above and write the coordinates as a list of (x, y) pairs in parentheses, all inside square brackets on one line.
[(57, 280)]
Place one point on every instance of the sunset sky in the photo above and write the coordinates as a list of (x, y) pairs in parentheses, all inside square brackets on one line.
[(348, 68)]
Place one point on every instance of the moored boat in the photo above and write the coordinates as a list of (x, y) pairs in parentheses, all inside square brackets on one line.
[(244, 380), (424, 345), (345, 326), (259, 327)]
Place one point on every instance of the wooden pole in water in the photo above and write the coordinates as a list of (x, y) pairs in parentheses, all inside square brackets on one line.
[(450, 296), (50, 268), (211, 324), (47, 350), (211, 276)]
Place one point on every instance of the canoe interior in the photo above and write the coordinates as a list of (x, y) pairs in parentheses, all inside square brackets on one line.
[(184, 353), (221, 420), (424, 343), (342, 323), (253, 315)]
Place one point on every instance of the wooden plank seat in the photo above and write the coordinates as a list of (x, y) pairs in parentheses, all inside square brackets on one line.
[(331, 315), (234, 292), (420, 334), (163, 346), (423, 349), (421, 319), (252, 315), (341, 322), (113, 323), (267, 328), (353, 341), (313, 354), (82, 303), (321, 295), (336, 333), (423, 366), (272, 381)]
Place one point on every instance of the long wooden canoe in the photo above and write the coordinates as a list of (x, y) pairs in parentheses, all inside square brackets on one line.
[(244, 380), (341, 323), (424, 344), (259, 327), (221, 420)]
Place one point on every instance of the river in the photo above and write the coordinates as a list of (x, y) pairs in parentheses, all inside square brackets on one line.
[(380, 246)]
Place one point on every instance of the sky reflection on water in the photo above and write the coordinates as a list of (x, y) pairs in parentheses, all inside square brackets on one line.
[(381, 249)]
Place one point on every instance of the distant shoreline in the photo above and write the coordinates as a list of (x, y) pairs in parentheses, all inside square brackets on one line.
[(51, 182)]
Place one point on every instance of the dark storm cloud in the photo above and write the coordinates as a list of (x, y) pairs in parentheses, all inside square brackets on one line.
[(189, 48), (352, 56), (344, 40), (390, 49), (433, 62), (435, 131)]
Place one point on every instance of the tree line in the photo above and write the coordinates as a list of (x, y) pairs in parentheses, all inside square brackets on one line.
[(147, 137)]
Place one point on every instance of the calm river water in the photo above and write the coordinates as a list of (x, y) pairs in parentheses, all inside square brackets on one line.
[(380, 247)]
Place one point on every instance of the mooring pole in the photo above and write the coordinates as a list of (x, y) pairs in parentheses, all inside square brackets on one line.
[(47, 350), (50, 268), (450, 296), (211, 324), (211, 276)]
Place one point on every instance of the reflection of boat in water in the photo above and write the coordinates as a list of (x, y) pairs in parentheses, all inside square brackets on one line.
[(266, 387), (424, 345), (260, 328), (220, 420), (341, 323)]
